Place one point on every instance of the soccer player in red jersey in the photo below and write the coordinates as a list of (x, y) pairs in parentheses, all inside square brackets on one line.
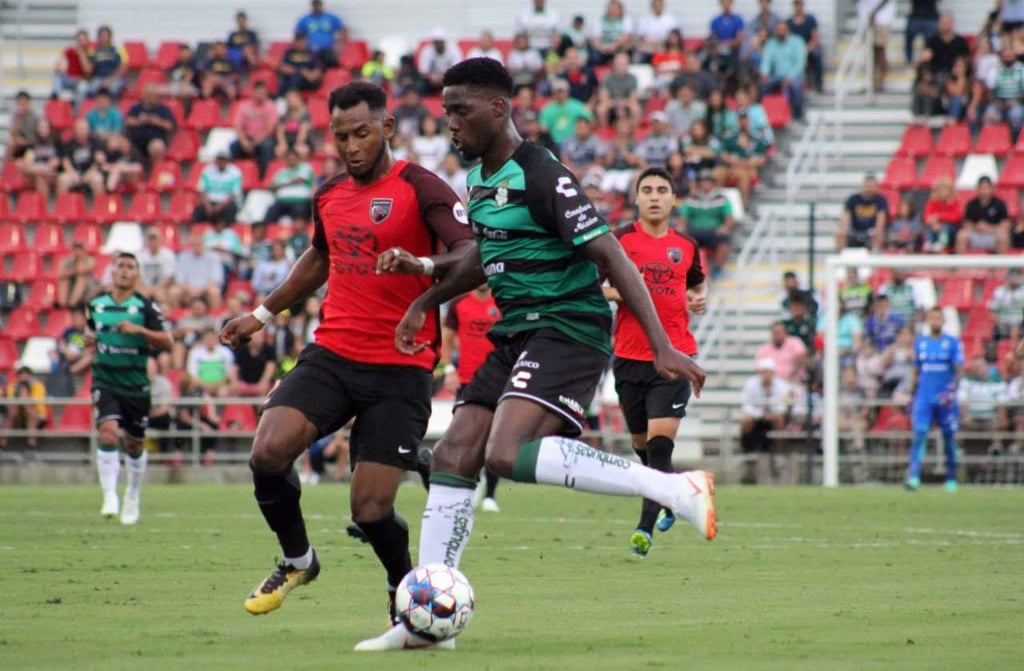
[(352, 370), (652, 405), (464, 331)]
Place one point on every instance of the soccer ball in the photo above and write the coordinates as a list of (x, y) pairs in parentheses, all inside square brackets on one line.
[(434, 601)]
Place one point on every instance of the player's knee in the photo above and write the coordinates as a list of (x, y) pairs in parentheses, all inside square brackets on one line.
[(108, 433), (132, 446), (500, 461), (371, 507)]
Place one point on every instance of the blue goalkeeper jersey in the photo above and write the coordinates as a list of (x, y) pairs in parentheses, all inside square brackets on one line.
[(936, 360)]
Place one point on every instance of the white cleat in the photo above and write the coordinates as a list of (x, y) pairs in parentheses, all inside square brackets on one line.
[(400, 638), (110, 507), (130, 510), (695, 502), (489, 505)]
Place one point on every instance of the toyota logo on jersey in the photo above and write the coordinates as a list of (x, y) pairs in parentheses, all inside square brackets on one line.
[(380, 208)]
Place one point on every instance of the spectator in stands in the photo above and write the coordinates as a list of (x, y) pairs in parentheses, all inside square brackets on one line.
[(293, 128), (986, 224), (259, 250), (198, 273), (33, 416), (79, 165), (765, 407), (225, 242), (161, 410), (652, 30), (764, 19), (156, 266), (300, 68), (793, 291), (903, 234), (105, 118), (71, 358), (256, 366), (559, 116), (621, 161), (1005, 89), (23, 124), (958, 91), (1007, 306), (407, 76), (430, 146), (676, 168), (219, 191), (728, 30), (538, 24), (943, 214), (805, 26), (73, 69), (211, 367), (788, 352), (377, 70), (922, 20), (903, 301), (300, 238), (75, 277), (183, 76), (743, 155), (942, 50), (862, 222), (981, 397), (268, 274), (409, 113), (701, 152), (583, 150), (760, 127), (782, 67), (189, 327), (614, 33), (109, 64), (293, 187), (879, 15), (669, 61), (749, 66), (218, 75), (243, 44), (881, 326), (150, 124), (453, 174), (659, 144), (800, 323), (40, 161), (524, 62), (118, 163), (256, 128), (435, 59), (926, 99), (619, 94), (719, 117), (898, 366), (536, 133), (706, 216), (1017, 234), (683, 109), (849, 334), (523, 101), (485, 48), (323, 29), (856, 294), (583, 81)]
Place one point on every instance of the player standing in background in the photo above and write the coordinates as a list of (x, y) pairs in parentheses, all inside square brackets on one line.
[(653, 406), (938, 365), (465, 329), (542, 249), (352, 368), (123, 326)]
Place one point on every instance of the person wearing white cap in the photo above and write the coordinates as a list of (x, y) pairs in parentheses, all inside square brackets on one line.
[(765, 406), (435, 58), (659, 144)]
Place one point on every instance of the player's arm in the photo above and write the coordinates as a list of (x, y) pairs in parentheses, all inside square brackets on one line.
[(449, 345), (159, 338), (696, 284), (400, 261)]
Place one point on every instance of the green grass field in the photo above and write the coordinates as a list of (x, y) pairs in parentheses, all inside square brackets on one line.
[(797, 579)]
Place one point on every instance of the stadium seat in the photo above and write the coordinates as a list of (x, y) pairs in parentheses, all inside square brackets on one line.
[(11, 181), (167, 55), (76, 418), (106, 208), (250, 173), (1004, 348), (891, 418), (36, 354), (776, 108), (146, 77), (57, 321), (979, 323), (237, 286), (204, 115), (974, 168), (954, 140), (354, 54), (69, 208), (183, 203), (60, 114), (993, 139), (42, 295), (217, 140), (30, 209), (1013, 171), (265, 75), (275, 51), (916, 142), (22, 324), (90, 235), (12, 238), (100, 269), (935, 168), (1011, 197), (49, 239), (25, 267), (8, 353), (957, 292), (238, 417), (166, 176), (244, 233), (989, 286), (184, 145), (900, 174), (169, 233), (145, 208), (138, 54), (257, 202), (333, 78), (319, 116), (124, 236)]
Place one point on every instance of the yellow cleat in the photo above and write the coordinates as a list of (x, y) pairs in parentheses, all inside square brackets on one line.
[(270, 594)]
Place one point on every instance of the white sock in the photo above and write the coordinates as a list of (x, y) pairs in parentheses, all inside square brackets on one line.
[(108, 464), (447, 525), (576, 465), (303, 562), (136, 472)]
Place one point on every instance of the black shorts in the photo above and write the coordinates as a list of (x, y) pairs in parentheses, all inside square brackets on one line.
[(644, 395), (709, 239), (544, 366), (391, 404), (131, 412)]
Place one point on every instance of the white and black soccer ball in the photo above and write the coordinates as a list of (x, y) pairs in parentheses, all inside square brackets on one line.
[(435, 601)]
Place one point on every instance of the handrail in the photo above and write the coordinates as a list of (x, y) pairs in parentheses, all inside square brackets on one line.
[(859, 54)]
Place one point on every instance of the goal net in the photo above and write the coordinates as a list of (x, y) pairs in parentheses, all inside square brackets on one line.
[(866, 427)]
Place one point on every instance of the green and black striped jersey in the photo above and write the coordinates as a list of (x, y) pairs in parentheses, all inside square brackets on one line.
[(530, 219), (120, 361)]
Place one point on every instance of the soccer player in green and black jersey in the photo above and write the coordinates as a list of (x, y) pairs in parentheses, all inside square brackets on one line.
[(542, 248), (124, 326)]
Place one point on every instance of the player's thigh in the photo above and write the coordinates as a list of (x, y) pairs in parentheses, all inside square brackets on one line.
[(923, 415), (517, 421), (461, 450), (631, 388), (392, 409), (948, 418)]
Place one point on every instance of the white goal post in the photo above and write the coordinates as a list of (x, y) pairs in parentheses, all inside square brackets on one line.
[(835, 271)]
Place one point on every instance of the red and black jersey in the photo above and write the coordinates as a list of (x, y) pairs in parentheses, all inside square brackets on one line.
[(410, 207), (669, 265), (471, 319)]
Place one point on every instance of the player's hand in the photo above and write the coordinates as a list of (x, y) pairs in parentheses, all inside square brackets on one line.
[(673, 364), (697, 302), (398, 260), (90, 339), (129, 328), (451, 382), (947, 397), (240, 330), (405, 333)]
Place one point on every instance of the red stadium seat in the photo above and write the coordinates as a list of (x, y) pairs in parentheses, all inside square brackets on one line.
[(993, 139), (90, 235), (167, 55), (177, 110), (57, 321), (49, 239), (275, 52), (8, 353), (957, 292), (244, 233), (11, 181), (22, 324), (204, 115), (30, 208), (1004, 348), (166, 176), (891, 418), (916, 142), (265, 75), (1011, 197), (60, 114), (776, 108), (319, 116), (354, 54), (146, 77), (76, 418), (954, 140), (184, 145), (237, 286), (979, 323), (935, 168), (106, 208), (182, 204), (892, 197), (250, 174), (989, 288), (25, 267), (1013, 172), (692, 45), (138, 55), (100, 269), (238, 417), (900, 174), (333, 78), (12, 238), (69, 209), (42, 295), (434, 106), (145, 208), (169, 232)]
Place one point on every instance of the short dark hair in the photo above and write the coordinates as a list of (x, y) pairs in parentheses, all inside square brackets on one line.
[(22, 95), (127, 255), (104, 91), (484, 73), (348, 96), (789, 274), (655, 171), (985, 179)]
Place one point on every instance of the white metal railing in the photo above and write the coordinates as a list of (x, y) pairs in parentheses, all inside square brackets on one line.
[(855, 73)]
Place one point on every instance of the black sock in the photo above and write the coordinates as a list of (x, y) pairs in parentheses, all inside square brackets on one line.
[(659, 457), (642, 454), (491, 483), (389, 537), (278, 497)]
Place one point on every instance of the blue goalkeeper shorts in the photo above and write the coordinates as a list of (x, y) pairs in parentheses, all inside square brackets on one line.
[(927, 411)]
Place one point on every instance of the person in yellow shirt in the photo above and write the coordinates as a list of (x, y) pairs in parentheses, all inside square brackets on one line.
[(33, 416)]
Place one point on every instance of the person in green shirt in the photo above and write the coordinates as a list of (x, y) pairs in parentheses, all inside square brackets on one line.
[(293, 187), (560, 115), (743, 154), (706, 216), (800, 323), (220, 192)]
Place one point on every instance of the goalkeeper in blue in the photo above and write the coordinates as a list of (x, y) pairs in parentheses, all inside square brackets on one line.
[(938, 365)]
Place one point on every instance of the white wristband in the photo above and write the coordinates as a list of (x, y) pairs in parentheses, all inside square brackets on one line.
[(428, 264), (449, 369), (262, 314)]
